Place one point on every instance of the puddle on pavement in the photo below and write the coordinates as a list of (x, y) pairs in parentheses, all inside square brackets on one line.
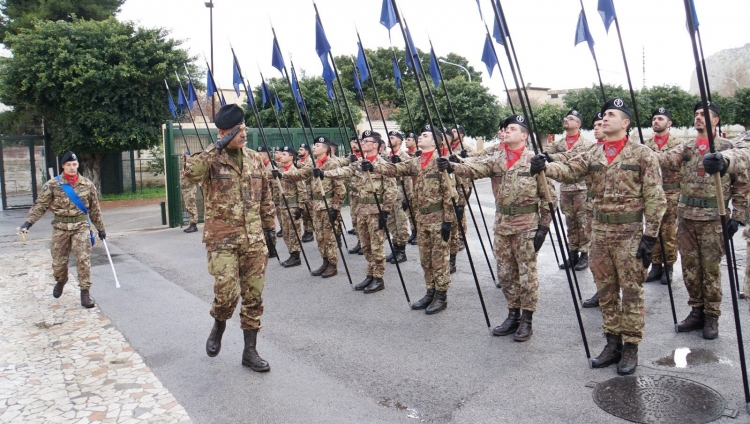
[(685, 357), (390, 403)]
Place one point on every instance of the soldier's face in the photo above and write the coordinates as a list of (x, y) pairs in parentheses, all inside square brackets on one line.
[(426, 142), (71, 167), (285, 158), (514, 136), (571, 123), (320, 149), (395, 141), (660, 123), (598, 134), (613, 122), (238, 141), (369, 145), (410, 143), (264, 156), (700, 121)]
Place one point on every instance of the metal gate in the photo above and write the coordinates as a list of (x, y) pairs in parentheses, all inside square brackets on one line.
[(23, 169)]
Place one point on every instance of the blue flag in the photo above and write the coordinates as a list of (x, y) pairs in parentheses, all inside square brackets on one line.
[(388, 16), (277, 103), (181, 100), (192, 96), (277, 60), (695, 17), (265, 92), (250, 100), (328, 76), (480, 10), (210, 87), (172, 108), (236, 78), (357, 85), (322, 46), (297, 96), (396, 74), (410, 62), (488, 55), (607, 9), (583, 33), (496, 33), (361, 64), (434, 70)]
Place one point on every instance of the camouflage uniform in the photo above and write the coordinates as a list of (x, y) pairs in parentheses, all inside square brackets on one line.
[(306, 198), (238, 206), (625, 191), (292, 194), (521, 208), (188, 198), (398, 218), (456, 240), (671, 186), (433, 207), (699, 233), (70, 230)]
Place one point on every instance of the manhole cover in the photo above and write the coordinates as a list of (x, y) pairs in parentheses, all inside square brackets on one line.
[(658, 399)]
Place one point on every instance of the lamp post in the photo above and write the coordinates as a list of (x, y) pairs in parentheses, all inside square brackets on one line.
[(456, 64), (210, 6)]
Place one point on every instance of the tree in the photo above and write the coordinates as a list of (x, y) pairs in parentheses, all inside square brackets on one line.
[(727, 108), (98, 84), (549, 118), (678, 101), (742, 107), (589, 101)]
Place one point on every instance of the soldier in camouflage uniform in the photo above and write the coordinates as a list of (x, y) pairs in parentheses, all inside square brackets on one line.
[(292, 193), (627, 187), (71, 226), (398, 219), (304, 160), (370, 224), (275, 195), (238, 230), (335, 192), (354, 198), (188, 192), (432, 201), (699, 232), (411, 149), (573, 193), (521, 223)]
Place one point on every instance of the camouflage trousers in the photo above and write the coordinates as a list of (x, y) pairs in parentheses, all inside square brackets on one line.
[(239, 272), (353, 203), (455, 240), (371, 239), (291, 240), (307, 221), (615, 268), (79, 241), (434, 256), (668, 232), (188, 199), (325, 237), (398, 225), (701, 248), (516, 269), (573, 206)]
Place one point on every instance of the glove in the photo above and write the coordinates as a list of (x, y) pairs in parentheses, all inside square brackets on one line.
[(270, 236), (418, 153), (333, 214), (460, 213), (405, 205), (645, 250), (715, 162), (102, 235), (317, 173), (276, 174), (548, 157), (541, 234), (353, 158), (395, 159), (445, 231), (454, 159), (733, 226), (25, 227), (382, 220), (224, 141), (297, 214), (444, 164), (464, 154), (538, 164), (367, 166)]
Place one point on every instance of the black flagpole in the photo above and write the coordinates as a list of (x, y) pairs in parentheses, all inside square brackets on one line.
[(190, 112), (205, 121), (179, 125), (403, 91)]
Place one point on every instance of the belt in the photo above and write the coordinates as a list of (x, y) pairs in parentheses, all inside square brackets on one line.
[(699, 202), (674, 186), (291, 200), (70, 219), (618, 218), (431, 209), (319, 197), (517, 210), (578, 181), (367, 201)]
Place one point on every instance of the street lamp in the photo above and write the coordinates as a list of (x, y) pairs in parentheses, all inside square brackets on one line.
[(456, 64), (210, 6)]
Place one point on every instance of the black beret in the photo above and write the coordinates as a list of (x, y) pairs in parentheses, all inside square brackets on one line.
[(68, 157), (322, 139), (369, 133), (617, 104), (711, 106), (503, 124), (437, 133), (262, 149), (662, 111), (447, 132), (288, 149), (396, 134), (355, 138), (411, 135), (597, 117), (460, 129), (576, 114), (519, 120), (305, 146), (229, 116)]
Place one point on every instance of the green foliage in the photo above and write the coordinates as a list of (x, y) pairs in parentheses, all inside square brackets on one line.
[(549, 118), (589, 101), (727, 107), (142, 193), (742, 107), (20, 122), (678, 101)]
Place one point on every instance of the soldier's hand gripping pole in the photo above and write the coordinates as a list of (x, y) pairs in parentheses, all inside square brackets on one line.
[(690, 13)]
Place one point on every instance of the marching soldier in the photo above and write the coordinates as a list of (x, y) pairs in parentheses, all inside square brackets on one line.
[(627, 187), (573, 193), (75, 203), (434, 220), (304, 160), (275, 195), (354, 198), (398, 219), (286, 159), (238, 232), (521, 223), (188, 192), (411, 144), (411, 149), (699, 232), (456, 242)]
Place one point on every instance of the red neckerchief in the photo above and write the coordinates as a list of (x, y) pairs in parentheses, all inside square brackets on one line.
[(512, 156), (372, 158), (613, 148), (71, 179), (425, 158), (456, 144), (266, 162), (444, 151), (303, 158), (570, 141), (319, 163), (661, 140), (286, 168), (599, 142), (411, 150), (358, 154), (702, 145), (395, 151)]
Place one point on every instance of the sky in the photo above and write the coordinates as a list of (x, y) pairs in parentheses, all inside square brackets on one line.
[(543, 32)]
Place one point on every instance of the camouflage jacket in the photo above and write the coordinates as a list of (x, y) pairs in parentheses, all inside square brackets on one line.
[(303, 188), (54, 197), (487, 151), (579, 147), (407, 182), (739, 157), (514, 187), (669, 177), (275, 195), (291, 190), (385, 187), (237, 203), (335, 191), (631, 184), (695, 183), (432, 195)]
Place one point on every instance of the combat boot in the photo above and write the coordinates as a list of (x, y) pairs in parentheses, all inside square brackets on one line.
[(655, 273), (318, 272), (510, 325), (307, 237), (390, 256), (412, 238), (400, 254), (439, 302), (352, 232), (453, 263), (425, 301), (250, 357), (213, 344), (583, 262), (354, 250), (86, 300), (57, 291), (711, 327), (611, 354), (292, 261), (191, 228), (571, 262), (694, 321), (668, 271), (366, 282), (330, 271), (280, 233), (376, 285), (593, 302), (524, 331), (629, 361)]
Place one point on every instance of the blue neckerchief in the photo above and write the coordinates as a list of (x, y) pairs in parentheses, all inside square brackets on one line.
[(73, 196)]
